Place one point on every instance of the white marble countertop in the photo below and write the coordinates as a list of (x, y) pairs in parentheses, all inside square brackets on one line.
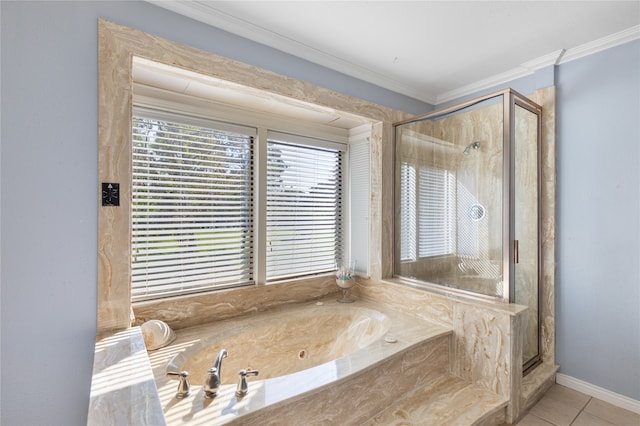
[(123, 390)]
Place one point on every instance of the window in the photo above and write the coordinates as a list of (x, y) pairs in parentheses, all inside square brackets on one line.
[(192, 205), (193, 216), (304, 208), (436, 204), (408, 212), (427, 209)]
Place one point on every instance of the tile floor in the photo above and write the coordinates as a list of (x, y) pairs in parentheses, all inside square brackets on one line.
[(562, 406)]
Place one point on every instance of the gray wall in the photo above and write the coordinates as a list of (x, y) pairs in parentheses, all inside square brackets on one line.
[(48, 141), (598, 222)]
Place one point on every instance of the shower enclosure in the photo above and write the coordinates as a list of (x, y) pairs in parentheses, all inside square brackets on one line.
[(467, 203)]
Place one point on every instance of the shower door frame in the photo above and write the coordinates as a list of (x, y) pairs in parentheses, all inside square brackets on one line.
[(516, 99), (510, 98)]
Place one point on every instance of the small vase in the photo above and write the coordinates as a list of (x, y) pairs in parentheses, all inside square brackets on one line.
[(345, 285)]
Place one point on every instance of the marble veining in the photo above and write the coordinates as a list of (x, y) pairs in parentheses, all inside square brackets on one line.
[(444, 401), (191, 310), (481, 348), (293, 339), (486, 346)]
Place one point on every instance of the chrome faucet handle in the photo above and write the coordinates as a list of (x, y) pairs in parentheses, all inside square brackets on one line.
[(183, 385), (211, 383), (243, 387)]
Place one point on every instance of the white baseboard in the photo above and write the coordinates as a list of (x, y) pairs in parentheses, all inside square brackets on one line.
[(598, 392)]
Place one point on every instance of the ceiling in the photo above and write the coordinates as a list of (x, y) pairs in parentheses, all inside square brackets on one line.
[(433, 51)]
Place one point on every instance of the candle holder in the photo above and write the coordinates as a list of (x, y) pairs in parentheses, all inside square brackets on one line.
[(345, 284)]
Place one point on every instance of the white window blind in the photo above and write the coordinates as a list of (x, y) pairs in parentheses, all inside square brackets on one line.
[(192, 205), (359, 197), (408, 212), (427, 211), (437, 212), (304, 209)]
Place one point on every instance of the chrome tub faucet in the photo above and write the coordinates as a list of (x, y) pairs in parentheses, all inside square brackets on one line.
[(213, 381)]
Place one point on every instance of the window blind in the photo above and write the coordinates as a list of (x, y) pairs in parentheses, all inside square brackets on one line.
[(427, 211), (408, 212), (304, 209), (192, 206), (437, 212), (359, 198)]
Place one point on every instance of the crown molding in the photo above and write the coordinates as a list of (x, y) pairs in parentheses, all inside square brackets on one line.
[(555, 58), (601, 44), (207, 13), (523, 70)]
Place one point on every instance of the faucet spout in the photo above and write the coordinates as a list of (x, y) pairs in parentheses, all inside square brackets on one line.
[(218, 364)]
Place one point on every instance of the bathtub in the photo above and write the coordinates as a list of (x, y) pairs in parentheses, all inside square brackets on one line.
[(301, 351)]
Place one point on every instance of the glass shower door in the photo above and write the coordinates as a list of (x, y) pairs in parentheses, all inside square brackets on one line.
[(467, 203), (449, 204)]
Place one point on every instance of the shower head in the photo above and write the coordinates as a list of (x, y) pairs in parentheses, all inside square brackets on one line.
[(474, 145)]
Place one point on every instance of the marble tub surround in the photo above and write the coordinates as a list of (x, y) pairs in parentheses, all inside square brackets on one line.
[(373, 375), (420, 369), (202, 308), (444, 401), (283, 341), (486, 345), (123, 390)]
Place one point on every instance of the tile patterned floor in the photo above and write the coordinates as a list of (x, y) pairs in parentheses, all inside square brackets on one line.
[(562, 406)]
